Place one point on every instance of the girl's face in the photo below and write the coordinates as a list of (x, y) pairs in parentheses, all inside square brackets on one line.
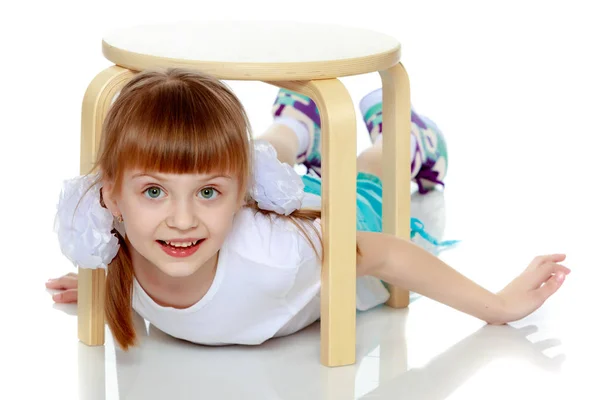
[(177, 222)]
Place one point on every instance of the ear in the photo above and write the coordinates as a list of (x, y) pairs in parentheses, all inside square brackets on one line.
[(109, 199), (242, 201)]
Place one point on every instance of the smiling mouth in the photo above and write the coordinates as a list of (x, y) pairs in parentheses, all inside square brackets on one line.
[(181, 249), (180, 245)]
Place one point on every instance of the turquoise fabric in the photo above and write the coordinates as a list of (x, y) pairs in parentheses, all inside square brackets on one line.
[(369, 206), (369, 209), (368, 200)]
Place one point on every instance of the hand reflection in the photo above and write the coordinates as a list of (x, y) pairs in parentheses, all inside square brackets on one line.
[(288, 368), (507, 341), (452, 368)]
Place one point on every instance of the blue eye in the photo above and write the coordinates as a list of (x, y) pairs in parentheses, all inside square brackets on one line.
[(208, 192), (153, 192)]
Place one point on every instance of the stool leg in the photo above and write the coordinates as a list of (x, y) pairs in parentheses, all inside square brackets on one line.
[(396, 163), (91, 282), (338, 172)]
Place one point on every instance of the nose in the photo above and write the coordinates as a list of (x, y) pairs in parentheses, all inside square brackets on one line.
[(182, 216)]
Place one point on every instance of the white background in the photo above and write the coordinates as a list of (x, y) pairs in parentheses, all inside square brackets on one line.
[(513, 84)]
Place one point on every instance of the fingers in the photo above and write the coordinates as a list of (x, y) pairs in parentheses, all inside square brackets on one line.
[(539, 275), (554, 258), (68, 296), (550, 286), (553, 268), (549, 269), (68, 286), (64, 282)]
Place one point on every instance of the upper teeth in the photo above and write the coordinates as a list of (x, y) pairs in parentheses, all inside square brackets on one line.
[(181, 244)]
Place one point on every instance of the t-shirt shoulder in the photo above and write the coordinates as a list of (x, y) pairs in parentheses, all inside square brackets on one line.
[(272, 240)]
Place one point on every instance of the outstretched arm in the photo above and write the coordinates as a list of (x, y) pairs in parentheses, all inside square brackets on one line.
[(403, 263)]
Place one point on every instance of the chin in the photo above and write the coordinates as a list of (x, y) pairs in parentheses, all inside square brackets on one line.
[(179, 271)]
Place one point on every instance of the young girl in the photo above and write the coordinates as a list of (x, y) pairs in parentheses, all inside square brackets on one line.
[(213, 239)]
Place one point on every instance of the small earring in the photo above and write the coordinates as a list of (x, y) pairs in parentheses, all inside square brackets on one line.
[(119, 218)]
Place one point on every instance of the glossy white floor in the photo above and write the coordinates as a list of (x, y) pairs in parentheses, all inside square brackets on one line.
[(426, 352), (514, 89)]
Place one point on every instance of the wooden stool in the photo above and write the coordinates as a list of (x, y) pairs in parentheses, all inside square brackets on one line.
[(305, 58)]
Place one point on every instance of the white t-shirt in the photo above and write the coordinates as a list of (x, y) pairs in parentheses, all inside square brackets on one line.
[(267, 284)]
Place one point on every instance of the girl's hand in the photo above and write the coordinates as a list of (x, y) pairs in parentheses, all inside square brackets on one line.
[(527, 292), (67, 284)]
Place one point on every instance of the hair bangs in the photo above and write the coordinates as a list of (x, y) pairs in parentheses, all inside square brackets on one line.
[(177, 127), (181, 150)]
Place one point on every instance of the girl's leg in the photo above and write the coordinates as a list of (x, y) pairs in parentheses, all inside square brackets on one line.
[(371, 160), (296, 129), (290, 135), (295, 134), (429, 155), (285, 142)]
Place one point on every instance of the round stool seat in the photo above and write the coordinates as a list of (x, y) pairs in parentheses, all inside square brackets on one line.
[(267, 51)]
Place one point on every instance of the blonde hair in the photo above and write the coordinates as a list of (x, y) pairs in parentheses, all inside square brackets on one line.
[(173, 121)]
